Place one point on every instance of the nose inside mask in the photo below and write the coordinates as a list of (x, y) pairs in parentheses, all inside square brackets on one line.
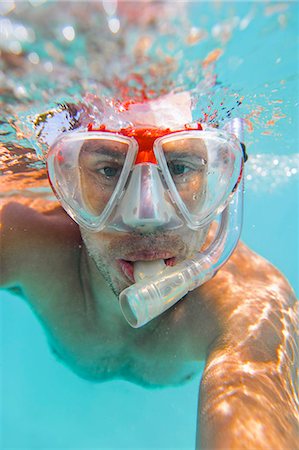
[(146, 204)]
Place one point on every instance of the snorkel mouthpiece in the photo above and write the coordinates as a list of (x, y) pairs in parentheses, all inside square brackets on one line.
[(148, 269), (148, 298), (152, 295)]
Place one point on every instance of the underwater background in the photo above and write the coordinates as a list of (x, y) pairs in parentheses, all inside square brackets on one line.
[(238, 59)]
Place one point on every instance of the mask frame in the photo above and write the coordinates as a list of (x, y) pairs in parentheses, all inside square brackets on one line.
[(71, 197)]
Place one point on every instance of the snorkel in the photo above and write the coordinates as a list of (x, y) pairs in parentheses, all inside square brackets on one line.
[(158, 288)]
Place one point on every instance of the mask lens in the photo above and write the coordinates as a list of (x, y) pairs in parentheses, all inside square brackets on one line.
[(201, 169), (101, 162), (187, 164), (88, 171)]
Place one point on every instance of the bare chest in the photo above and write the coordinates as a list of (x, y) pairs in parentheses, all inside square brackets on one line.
[(101, 350), (99, 358)]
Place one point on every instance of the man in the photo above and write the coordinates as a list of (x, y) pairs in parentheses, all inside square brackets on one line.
[(145, 190)]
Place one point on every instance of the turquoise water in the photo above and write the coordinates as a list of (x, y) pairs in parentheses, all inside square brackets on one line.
[(254, 74)]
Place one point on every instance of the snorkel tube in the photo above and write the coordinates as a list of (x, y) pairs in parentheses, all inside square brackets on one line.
[(150, 297)]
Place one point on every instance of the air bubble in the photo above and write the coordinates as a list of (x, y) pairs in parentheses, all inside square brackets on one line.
[(114, 25), (69, 33)]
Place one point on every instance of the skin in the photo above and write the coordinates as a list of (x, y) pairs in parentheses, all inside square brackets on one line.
[(242, 323)]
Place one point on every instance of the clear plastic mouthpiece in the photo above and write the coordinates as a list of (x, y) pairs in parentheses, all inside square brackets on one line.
[(148, 298)]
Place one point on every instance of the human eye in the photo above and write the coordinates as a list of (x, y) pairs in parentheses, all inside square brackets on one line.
[(108, 171), (178, 168), (186, 167), (103, 167)]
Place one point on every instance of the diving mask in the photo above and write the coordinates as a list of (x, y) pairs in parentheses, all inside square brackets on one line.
[(146, 179)]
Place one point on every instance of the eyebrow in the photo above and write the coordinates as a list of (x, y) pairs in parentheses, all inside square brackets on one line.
[(103, 150), (183, 155)]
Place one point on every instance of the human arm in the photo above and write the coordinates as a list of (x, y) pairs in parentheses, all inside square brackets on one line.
[(249, 391)]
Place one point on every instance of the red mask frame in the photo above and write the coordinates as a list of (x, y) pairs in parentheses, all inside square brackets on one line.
[(145, 138)]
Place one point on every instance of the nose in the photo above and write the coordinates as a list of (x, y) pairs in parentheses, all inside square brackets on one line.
[(146, 204)]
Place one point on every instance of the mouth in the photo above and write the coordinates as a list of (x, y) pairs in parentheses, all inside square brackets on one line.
[(127, 265)]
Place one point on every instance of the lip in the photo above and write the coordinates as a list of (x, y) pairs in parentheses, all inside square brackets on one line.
[(148, 255), (126, 266), (127, 269)]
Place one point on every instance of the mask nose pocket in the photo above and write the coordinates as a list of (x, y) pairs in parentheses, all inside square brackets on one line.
[(146, 204)]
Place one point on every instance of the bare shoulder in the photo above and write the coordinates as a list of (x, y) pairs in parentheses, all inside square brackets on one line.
[(255, 309), (256, 280), (263, 310), (248, 278), (249, 301), (34, 237)]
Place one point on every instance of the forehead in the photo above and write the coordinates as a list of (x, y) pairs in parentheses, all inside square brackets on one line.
[(185, 145), (171, 110), (97, 145), (94, 149)]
